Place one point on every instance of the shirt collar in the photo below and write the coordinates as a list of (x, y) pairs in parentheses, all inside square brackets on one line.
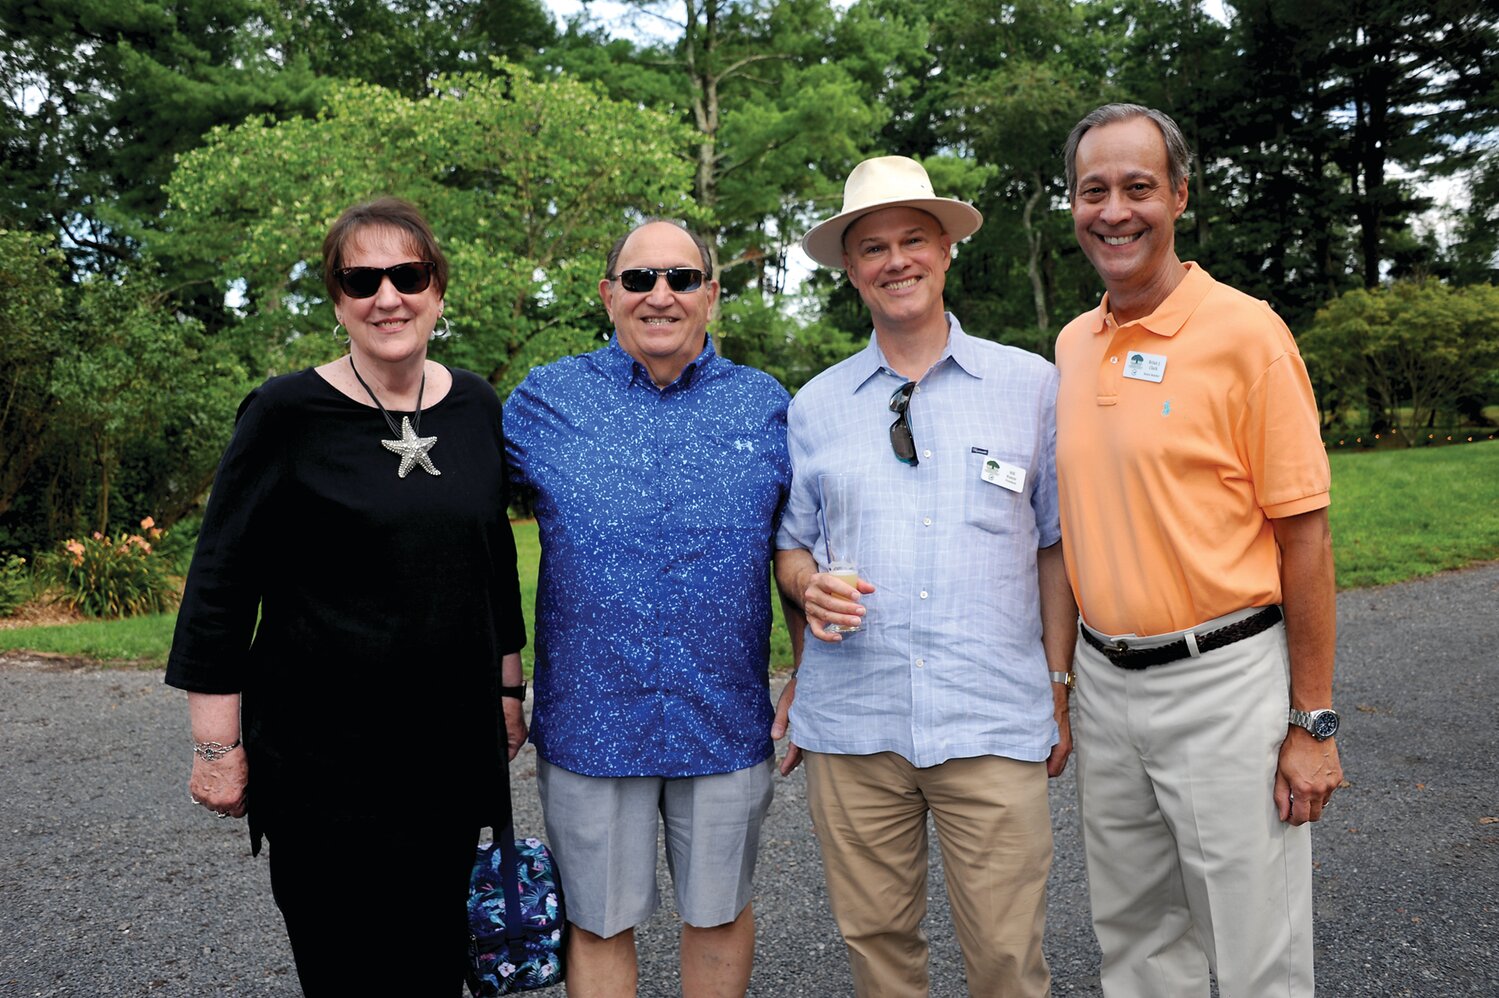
[(617, 363), (1172, 314), (960, 348)]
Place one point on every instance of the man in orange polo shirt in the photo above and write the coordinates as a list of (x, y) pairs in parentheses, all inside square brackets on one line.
[(1194, 491)]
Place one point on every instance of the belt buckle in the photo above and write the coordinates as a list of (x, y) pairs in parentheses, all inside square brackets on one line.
[(1119, 646)]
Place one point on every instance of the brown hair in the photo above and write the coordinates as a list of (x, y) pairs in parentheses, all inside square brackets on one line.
[(392, 213), (1178, 156)]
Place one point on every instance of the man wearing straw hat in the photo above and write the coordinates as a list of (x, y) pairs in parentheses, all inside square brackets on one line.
[(940, 703)]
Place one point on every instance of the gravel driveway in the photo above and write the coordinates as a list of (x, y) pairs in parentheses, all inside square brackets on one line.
[(112, 883)]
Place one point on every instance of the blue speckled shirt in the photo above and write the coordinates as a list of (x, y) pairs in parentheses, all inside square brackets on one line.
[(658, 509)]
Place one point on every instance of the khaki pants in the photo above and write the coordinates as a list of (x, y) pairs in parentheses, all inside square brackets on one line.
[(1189, 866), (995, 832)]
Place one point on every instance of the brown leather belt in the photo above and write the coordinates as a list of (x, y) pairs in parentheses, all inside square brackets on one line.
[(1121, 654)]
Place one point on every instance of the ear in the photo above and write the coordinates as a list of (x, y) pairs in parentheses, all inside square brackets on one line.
[(1180, 198), (946, 241), (848, 271), (606, 295), (712, 291)]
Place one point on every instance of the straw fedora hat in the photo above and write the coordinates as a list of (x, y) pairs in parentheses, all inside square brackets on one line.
[(887, 182)]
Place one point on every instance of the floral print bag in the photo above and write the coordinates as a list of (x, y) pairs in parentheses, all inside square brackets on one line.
[(523, 953)]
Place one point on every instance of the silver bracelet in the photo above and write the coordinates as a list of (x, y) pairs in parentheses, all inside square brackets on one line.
[(213, 751)]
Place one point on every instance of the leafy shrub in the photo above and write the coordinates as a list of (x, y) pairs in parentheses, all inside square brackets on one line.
[(104, 576), (15, 584)]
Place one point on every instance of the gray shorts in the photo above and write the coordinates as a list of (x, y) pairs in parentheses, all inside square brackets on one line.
[(603, 831)]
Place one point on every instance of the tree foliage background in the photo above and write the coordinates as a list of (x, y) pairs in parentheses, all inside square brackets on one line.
[(168, 169)]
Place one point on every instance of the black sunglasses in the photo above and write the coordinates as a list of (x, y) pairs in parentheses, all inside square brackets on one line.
[(901, 440), (679, 279), (363, 282)]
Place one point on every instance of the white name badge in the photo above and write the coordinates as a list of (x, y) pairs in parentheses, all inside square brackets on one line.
[(1006, 476), (1145, 366)]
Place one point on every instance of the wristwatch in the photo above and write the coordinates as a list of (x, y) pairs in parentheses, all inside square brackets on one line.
[(1323, 724), (1067, 679), (514, 692)]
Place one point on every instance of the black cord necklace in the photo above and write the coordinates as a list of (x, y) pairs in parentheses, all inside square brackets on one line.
[(412, 448)]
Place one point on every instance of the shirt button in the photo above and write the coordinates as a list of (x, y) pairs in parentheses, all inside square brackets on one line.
[(921, 663), (926, 521), (923, 594), (926, 453), (1113, 360)]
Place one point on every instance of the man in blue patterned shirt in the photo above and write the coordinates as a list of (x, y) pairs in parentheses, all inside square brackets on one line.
[(659, 472), (941, 704)]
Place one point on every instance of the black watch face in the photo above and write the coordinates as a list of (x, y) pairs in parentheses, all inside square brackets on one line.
[(1325, 724)]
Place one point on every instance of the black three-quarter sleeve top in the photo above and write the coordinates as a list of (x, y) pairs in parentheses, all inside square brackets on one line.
[(371, 684)]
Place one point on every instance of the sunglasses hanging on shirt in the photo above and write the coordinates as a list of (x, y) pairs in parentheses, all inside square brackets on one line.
[(901, 440)]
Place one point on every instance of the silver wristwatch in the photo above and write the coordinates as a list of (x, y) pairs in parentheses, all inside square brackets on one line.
[(1323, 724)]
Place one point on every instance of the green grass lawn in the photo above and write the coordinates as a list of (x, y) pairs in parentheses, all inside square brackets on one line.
[(1401, 514), (1396, 515), (141, 640)]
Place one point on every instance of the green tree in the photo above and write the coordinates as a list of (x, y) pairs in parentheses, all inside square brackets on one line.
[(31, 313), (1353, 104), (1415, 346), (526, 182), (402, 45), (106, 393), (102, 95), (1011, 82), (139, 387), (781, 98)]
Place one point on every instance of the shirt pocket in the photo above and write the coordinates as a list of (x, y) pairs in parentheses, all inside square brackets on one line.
[(990, 506)]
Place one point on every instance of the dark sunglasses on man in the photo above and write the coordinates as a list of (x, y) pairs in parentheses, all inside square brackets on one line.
[(901, 440), (364, 282), (642, 279)]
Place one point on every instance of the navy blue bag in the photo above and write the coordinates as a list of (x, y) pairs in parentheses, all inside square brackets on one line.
[(524, 952)]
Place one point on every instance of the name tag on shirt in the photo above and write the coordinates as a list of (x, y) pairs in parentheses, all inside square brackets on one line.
[(1006, 476), (1145, 366)]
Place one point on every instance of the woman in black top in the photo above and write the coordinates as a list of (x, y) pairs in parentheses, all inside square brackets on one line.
[(360, 509)]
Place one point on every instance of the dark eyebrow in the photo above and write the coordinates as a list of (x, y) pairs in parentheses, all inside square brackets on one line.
[(1132, 175)]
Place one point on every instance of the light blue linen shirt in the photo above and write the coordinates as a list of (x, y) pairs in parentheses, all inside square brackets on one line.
[(949, 664)]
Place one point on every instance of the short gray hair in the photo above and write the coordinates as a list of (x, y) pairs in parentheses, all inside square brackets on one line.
[(612, 260), (1178, 156)]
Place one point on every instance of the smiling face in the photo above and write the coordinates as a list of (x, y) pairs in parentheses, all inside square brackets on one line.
[(663, 329), (1124, 214), (388, 327), (897, 258)]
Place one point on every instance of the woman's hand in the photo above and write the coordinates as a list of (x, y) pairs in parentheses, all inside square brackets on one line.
[(222, 786), (515, 724)]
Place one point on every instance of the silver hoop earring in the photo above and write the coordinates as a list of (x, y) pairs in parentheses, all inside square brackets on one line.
[(445, 331), (343, 340)]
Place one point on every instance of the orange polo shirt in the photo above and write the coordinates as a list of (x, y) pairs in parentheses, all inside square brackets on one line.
[(1168, 486)]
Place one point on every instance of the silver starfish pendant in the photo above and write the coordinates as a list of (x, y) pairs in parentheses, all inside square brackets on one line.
[(413, 450)]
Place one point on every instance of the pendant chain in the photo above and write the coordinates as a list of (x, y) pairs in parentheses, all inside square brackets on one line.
[(416, 424)]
